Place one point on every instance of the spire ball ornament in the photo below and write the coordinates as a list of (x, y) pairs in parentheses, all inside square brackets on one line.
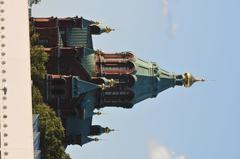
[(189, 79), (96, 139), (108, 29), (107, 130)]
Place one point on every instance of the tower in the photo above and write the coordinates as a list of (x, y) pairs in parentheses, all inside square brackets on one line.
[(81, 79)]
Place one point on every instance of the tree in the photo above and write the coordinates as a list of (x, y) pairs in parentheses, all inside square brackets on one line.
[(51, 129), (52, 133), (36, 96), (38, 58)]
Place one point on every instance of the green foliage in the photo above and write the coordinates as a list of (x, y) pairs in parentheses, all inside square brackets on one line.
[(33, 35), (36, 96), (38, 60), (52, 133)]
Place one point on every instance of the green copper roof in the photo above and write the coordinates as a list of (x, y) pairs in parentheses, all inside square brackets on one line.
[(88, 61), (79, 37), (150, 80), (80, 86)]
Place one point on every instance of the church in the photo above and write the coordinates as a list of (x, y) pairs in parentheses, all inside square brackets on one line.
[(80, 80)]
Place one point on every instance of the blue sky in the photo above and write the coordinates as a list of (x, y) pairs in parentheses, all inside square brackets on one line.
[(201, 37)]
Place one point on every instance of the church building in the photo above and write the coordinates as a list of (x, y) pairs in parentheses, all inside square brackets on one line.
[(80, 80)]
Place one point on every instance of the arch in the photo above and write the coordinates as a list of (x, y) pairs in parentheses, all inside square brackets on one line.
[(117, 95), (132, 80), (117, 67)]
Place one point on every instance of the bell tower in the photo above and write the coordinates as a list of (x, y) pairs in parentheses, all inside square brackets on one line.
[(134, 79)]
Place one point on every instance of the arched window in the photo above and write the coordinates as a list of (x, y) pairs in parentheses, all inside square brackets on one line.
[(118, 95)]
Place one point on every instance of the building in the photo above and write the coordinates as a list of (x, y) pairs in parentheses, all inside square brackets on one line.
[(81, 80), (36, 137)]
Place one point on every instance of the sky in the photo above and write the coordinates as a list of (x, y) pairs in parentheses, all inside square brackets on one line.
[(201, 37)]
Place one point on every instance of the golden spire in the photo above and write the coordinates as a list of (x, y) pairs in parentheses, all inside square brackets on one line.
[(189, 80), (108, 30), (105, 29), (102, 86), (97, 113), (107, 130), (108, 83), (112, 82)]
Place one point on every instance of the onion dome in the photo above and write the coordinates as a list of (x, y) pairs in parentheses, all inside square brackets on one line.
[(189, 80)]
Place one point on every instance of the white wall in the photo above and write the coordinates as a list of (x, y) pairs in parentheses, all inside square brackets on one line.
[(18, 124)]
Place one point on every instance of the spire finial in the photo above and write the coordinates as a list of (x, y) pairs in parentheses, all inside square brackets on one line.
[(107, 130), (96, 139), (97, 113), (108, 29), (189, 79)]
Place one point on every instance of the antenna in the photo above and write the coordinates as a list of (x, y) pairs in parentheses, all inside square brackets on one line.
[(114, 29), (115, 130), (210, 80)]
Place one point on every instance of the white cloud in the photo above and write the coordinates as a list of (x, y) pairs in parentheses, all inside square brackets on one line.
[(173, 29), (181, 157), (168, 17), (165, 9), (161, 152)]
